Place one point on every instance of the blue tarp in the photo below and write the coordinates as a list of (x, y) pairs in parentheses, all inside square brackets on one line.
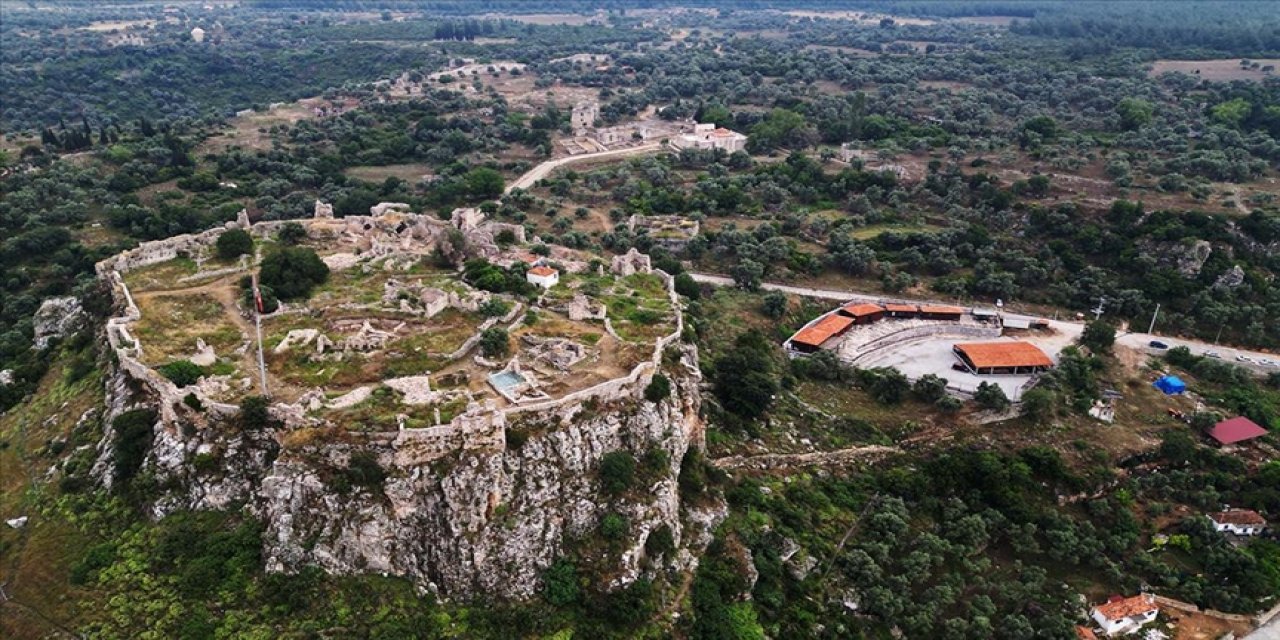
[(1171, 385)]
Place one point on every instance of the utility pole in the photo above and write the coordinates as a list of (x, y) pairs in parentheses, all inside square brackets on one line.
[(257, 325), (1153, 319)]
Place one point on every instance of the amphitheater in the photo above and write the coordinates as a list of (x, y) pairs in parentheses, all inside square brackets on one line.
[(919, 346), (388, 343)]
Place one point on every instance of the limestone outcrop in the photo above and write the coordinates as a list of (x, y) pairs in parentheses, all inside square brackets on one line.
[(57, 318)]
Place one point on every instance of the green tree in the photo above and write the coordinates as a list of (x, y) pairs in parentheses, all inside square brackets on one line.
[(1098, 336), (1134, 113), (658, 389), (233, 243), (1039, 404), (990, 396), (292, 272), (483, 182), (495, 342), (745, 378), (560, 584), (291, 233), (254, 413), (774, 305), (929, 388), (617, 470), (887, 385), (133, 437), (687, 287)]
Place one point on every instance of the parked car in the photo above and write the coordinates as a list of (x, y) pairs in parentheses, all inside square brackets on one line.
[(1156, 344), (1240, 357), (1212, 354)]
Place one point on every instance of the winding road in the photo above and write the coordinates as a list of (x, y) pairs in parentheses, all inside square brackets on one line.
[(1253, 360), (541, 171)]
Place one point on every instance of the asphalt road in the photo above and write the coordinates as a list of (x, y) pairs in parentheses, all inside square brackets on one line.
[(1067, 328)]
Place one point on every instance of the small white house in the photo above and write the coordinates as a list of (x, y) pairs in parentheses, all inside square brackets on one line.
[(197, 34), (543, 276), (1125, 615), (1241, 522)]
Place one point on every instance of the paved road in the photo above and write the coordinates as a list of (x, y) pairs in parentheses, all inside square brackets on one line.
[(543, 170), (1067, 329)]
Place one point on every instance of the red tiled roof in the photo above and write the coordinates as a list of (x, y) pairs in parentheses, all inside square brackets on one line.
[(898, 307), (1236, 429), (859, 309), (818, 332), (542, 271), (940, 309), (1085, 633), (1004, 354), (1127, 607), (1238, 516)]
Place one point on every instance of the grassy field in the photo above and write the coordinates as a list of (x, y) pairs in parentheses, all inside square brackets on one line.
[(406, 172), (160, 276), (170, 326)]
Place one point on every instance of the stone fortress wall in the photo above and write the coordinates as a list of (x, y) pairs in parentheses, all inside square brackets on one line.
[(481, 426)]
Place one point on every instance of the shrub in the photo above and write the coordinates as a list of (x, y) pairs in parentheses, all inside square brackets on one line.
[(659, 388), (614, 526), (617, 471), (560, 584), (192, 401), (1098, 336), (495, 342), (133, 440), (254, 414), (660, 542), (929, 387), (991, 396), (291, 234), (687, 287), (887, 385), (233, 243), (494, 307), (292, 272), (182, 373), (774, 305), (745, 381)]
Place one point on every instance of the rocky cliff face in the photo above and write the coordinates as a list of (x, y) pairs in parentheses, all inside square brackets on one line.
[(481, 521)]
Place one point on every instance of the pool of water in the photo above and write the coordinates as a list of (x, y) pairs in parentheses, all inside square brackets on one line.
[(506, 379)]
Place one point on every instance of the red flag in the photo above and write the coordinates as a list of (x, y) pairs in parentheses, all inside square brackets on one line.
[(257, 294)]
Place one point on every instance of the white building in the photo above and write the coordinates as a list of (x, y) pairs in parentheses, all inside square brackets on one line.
[(543, 276), (1125, 615), (708, 136), (1241, 522), (197, 34)]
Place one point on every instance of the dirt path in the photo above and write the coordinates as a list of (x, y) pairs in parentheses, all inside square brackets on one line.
[(786, 461), (543, 170)]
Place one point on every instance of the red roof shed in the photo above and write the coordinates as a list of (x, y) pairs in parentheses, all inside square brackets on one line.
[(1237, 429)]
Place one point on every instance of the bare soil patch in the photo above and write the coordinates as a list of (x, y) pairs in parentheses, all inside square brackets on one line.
[(406, 172), (995, 21), (859, 17), (1216, 70), (116, 25), (572, 19)]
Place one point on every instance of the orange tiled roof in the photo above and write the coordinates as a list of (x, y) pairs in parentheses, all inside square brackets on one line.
[(1004, 354), (940, 308), (542, 271), (1085, 633), (1238, 516), (818, 332), (857, 309), (1128, 607), (899, 307)]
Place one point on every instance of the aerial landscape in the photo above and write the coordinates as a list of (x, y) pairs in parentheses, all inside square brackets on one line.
[(701, 319)]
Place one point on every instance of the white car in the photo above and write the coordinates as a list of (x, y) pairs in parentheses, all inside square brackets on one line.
[(1212, 354), (1240, 357)]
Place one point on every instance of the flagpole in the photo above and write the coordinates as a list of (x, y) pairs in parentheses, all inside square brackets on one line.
[(257, 325)]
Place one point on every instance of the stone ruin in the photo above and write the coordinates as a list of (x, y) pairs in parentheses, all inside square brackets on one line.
[(583, 308), (428, 301), (323, 211), (630, 262), (560, 353), (383, 208)]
